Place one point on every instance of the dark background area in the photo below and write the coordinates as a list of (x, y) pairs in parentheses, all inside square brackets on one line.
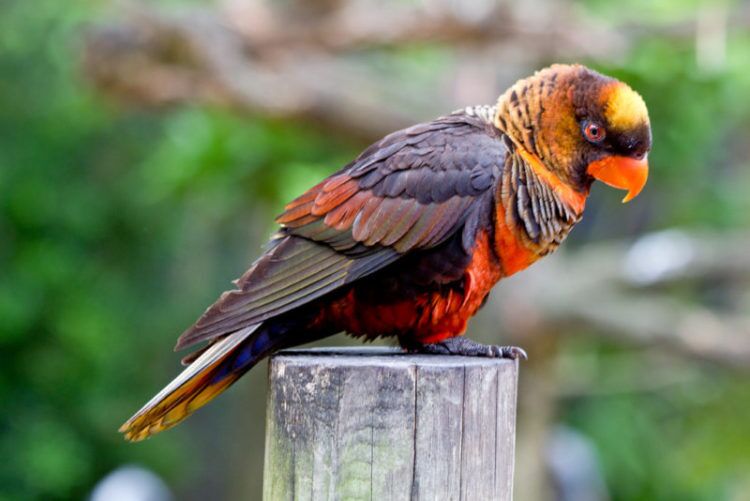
[(146, 147)]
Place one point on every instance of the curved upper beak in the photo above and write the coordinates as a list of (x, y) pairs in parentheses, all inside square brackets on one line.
[(625, 173)]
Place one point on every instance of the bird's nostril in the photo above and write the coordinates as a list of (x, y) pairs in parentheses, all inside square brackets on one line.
[(637, 149)]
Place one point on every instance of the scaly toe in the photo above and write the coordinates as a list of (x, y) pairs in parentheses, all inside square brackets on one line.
[(514, 353)]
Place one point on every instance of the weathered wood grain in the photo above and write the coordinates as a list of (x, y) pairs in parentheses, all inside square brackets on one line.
[(378, 424)]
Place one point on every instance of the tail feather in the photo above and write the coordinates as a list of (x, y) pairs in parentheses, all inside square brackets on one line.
[(217, 367)]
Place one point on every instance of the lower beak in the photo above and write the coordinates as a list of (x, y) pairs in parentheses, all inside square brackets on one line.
[(625, 173)]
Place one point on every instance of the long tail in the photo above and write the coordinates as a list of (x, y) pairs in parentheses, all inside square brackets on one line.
[(220, 365)]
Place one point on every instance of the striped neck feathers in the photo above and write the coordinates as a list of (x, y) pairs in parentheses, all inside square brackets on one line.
[(541, 213), (532, 114)]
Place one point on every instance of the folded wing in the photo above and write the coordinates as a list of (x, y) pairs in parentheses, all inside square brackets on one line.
[(409, 192)]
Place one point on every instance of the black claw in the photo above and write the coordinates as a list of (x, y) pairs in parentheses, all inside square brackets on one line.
[(515, 353)]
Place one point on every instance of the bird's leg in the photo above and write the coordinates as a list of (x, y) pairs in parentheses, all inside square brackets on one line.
[(461, 345)]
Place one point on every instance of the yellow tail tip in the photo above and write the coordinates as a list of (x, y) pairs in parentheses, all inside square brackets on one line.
[(199, 383)]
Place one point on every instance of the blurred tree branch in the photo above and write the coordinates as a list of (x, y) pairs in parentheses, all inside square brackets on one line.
[(292, 62), (291, 59), (624, 292)]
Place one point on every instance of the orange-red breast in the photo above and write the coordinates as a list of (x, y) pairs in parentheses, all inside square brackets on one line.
[(409, 238)]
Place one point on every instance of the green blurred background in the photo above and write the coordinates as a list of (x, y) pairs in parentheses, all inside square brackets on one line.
[(137, 178)]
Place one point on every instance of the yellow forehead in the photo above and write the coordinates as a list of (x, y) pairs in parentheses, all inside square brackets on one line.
[(624, 108)]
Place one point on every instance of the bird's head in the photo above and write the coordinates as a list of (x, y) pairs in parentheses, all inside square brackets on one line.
[(582, 125)]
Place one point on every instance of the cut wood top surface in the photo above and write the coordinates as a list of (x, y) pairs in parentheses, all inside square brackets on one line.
[(381, 356)]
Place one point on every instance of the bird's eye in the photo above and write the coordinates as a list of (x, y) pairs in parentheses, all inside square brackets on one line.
[(594, 132)]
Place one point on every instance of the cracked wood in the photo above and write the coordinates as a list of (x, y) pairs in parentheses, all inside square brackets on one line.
[(380, 424)]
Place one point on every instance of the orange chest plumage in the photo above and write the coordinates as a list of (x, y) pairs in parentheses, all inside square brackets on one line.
[(526, 229), (427, 317), (515, 254)]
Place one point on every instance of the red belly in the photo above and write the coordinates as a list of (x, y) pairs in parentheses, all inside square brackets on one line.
[(427, 317)]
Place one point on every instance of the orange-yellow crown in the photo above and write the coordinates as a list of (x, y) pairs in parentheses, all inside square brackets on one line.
[(624, 108)]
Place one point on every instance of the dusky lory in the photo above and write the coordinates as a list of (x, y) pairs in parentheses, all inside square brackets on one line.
[(408, 239)]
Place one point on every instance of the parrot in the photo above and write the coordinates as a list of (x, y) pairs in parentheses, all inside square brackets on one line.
[(408, 239)]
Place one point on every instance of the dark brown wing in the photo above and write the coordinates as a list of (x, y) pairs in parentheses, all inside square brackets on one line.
[(409, 192)]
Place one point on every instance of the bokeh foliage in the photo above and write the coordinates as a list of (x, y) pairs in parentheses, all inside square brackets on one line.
[(117, 226), (113, 222)]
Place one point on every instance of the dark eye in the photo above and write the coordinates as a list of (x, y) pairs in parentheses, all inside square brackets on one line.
[(594, 132)]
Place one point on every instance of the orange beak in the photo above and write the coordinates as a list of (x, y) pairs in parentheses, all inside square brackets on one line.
[(624, 173)]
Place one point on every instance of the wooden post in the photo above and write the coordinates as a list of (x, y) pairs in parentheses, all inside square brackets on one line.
[(383, 425)]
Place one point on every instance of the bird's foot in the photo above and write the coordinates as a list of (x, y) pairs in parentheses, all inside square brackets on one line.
[(464, 346)]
